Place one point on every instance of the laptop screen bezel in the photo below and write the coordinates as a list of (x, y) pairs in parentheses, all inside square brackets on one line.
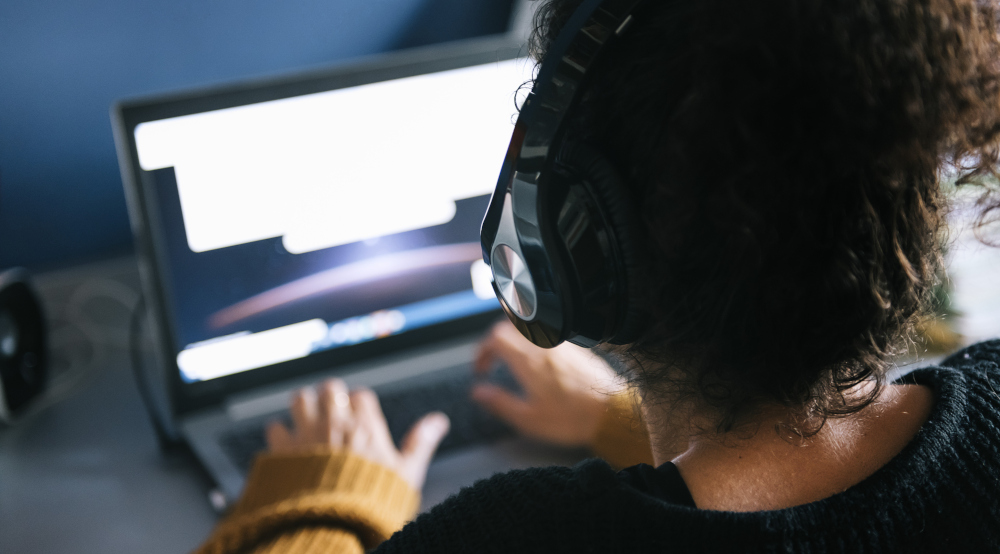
[(146, 228)]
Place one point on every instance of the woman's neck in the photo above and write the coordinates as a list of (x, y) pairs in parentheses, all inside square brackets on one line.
[(759, 467)]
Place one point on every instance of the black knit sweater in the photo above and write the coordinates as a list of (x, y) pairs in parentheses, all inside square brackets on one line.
[(940, 494)]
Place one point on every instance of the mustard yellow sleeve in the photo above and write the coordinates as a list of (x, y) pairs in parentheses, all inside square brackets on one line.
[(314, 501), (621, 438)]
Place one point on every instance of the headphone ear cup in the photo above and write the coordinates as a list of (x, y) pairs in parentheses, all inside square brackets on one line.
[(618, 212)]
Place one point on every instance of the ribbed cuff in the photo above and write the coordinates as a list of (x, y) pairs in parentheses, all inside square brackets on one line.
[(317, 487), (621, 438)]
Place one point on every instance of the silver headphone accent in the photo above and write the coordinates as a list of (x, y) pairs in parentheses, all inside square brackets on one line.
[(511, 276), (513, 281)]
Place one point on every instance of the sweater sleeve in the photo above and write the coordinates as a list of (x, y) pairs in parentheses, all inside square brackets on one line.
[(621, 438), (314, 501)]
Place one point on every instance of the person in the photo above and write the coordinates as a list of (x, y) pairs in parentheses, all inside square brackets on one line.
[(792, 164)]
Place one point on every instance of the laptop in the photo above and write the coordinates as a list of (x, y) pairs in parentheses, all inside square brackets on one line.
[(324, 224)]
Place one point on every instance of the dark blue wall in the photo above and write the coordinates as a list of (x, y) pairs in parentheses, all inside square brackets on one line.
[(63, 62)]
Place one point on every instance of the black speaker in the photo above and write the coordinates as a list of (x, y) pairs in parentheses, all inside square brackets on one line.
[(23, 348)]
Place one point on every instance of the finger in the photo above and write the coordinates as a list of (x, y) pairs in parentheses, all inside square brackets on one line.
[(500, 343), (304, 412), (421, 442), (279, 438), (337, 398), (369, 413), (520, 356), (336, 414), (532, 371), (503, 404), (486, 355)]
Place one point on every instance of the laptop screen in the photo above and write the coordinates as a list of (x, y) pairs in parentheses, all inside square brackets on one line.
[(309, 223)]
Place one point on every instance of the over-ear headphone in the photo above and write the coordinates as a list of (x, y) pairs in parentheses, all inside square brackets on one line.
[(559, 233)]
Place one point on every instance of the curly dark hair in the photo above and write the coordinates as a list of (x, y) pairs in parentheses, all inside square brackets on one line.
[(788, 157)]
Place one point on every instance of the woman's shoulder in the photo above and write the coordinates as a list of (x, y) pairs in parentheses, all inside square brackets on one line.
[(966, 388), (515, 493), (983, 357), (519, 511), (971, 374)]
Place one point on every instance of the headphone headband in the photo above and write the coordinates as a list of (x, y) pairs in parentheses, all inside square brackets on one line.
[(564, 71), (517, 237), (554, 95)]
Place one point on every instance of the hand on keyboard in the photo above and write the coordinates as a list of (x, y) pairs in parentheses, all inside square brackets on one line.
[(331, 416), (565, 388)]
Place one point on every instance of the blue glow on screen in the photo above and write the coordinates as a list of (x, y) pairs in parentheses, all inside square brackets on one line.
[(346, 332)]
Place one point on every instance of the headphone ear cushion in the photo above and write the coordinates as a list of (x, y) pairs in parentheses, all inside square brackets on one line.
[(619, 212)]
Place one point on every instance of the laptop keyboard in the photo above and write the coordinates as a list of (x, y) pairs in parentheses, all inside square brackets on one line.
[(403, 406)]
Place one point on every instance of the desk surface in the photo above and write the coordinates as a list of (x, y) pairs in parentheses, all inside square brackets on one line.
[(85, 474)]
